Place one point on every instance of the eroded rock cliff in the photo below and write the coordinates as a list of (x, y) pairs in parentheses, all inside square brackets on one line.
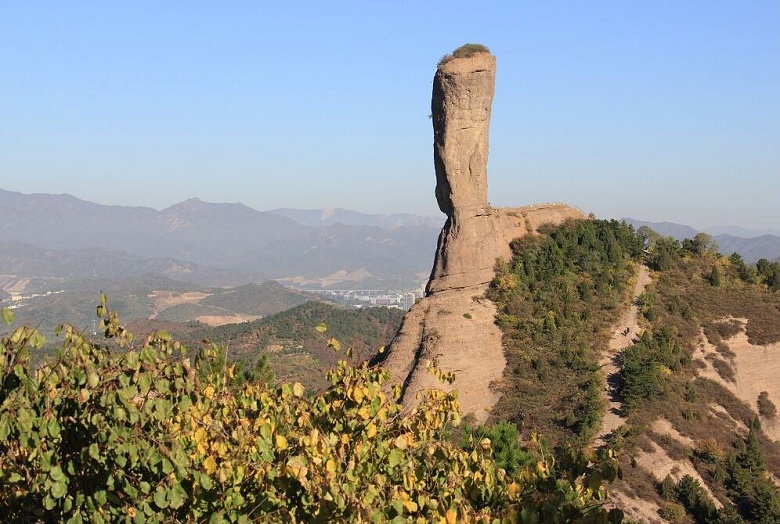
[(454, 325)]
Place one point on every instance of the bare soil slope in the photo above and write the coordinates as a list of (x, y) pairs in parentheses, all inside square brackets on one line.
[(756, 369)]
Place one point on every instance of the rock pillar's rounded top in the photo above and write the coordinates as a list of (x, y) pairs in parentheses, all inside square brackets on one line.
[(467, 59)]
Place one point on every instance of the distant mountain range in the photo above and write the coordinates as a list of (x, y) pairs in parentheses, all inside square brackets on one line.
[(216, 245), (752, 246), (211, 244)]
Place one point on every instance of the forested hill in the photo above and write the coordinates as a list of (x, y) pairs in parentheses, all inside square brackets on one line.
[(295, 350), (696, 390), (557, 298)]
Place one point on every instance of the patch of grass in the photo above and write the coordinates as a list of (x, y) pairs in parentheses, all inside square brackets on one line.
[(464, 51), (714, 331), (724, 369), (728, 328)]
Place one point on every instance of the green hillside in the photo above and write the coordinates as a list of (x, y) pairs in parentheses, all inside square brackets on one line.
[(263, 299), (698, 291), (295, 350), (559, 299)]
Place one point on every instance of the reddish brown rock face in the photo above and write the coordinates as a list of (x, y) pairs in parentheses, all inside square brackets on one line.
[(454, 325), (460, 109)]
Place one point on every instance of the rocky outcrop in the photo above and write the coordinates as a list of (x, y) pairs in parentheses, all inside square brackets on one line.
[(454, 325), (460, 110)]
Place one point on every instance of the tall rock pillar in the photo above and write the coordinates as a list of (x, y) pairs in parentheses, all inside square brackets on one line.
[(454, 325), (460, 109), (469, 243)]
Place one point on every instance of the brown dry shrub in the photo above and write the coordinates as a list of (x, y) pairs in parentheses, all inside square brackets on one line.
[(766, 408), (728, 328), (724, 369)]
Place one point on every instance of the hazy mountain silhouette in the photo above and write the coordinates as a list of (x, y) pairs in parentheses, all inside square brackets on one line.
[(188, 237), (27, 260), (751, 248)]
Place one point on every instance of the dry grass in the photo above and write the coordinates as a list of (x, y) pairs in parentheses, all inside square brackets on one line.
[(464, 51)]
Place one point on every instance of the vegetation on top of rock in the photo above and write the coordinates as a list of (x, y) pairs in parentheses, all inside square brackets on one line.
[(464, 51)]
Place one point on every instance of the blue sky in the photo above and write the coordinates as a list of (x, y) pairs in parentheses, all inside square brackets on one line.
[(662, 110)]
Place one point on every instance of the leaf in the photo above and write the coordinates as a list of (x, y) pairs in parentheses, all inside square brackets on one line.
[(210, 465), (594, 480), (321, 328), (160, 499), (209, 391), (177, 496), (5, 427), (58, 490), (206, 482), (56, 474), (144, 383), (615, 516), (199, 435), (358, 394), (451, 517), (395, 457), (53, 427), (265, 431), (410, 506), (298, 389), (37, 340), (100, 497), (93, 379), (8, 315), (335, 344)]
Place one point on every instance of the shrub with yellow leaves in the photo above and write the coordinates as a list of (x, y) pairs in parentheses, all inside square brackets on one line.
[(151, 434)]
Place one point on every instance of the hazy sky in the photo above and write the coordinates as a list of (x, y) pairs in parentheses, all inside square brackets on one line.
[(659, 110)]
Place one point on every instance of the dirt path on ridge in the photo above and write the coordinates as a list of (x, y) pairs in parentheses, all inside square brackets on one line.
[(623, 333)]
